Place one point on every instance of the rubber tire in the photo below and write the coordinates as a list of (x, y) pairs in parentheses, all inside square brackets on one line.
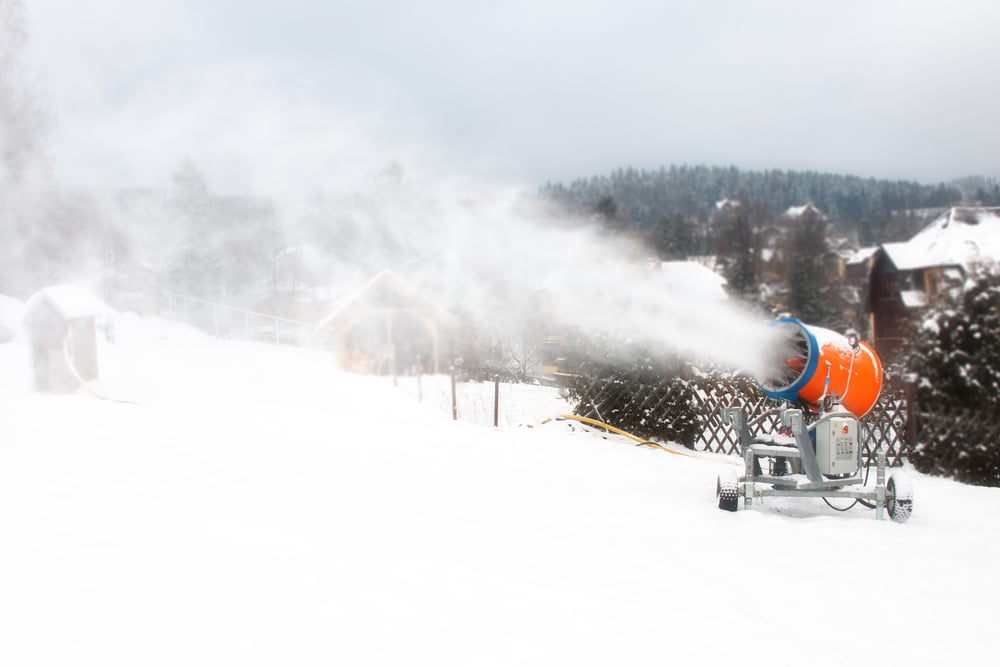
[(727, 487), (899, 498)]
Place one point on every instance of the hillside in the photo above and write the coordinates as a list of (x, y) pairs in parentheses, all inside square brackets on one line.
[(256, 506), (644, 197)]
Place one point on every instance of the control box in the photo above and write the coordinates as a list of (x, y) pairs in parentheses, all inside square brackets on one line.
[(837, 447)]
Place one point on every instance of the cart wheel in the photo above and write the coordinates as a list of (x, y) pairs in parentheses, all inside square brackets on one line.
[(899, 497), (727, 487)]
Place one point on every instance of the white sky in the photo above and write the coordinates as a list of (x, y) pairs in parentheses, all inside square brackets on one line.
[(268, 94)]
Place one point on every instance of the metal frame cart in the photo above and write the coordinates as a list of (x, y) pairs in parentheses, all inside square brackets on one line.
[(821, 460)]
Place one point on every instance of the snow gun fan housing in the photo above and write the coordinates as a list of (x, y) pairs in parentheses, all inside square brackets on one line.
[(812, 364)]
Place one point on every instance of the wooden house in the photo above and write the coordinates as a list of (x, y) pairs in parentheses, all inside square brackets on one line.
[(906, 277)]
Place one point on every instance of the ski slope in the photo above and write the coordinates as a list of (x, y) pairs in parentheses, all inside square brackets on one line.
[(257, 507)]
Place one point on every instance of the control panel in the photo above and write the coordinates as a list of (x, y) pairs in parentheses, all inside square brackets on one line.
[(837, 447)]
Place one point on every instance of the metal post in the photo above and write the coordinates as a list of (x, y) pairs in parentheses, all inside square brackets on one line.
[(391, 348), (749, 481), (910, 396), (880, 485), (454, 401), (496, 402)]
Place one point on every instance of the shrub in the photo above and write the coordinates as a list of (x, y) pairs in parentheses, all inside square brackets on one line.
[(955, 362), (650, 396)]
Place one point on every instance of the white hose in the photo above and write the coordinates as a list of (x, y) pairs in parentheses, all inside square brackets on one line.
[(67, 357)]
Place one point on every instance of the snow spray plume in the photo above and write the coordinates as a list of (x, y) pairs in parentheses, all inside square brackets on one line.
[(487, 251), (505, 261)]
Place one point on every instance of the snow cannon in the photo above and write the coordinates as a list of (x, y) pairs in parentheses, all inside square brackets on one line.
[(821, 367), (839, 378)]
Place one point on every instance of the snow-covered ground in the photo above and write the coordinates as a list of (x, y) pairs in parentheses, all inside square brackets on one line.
[(254, 506)]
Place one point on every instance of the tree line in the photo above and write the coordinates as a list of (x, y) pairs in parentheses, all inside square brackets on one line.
[(875, 210)]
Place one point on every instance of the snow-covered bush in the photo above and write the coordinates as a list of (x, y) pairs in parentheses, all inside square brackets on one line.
[(955, 361), (648, 395)]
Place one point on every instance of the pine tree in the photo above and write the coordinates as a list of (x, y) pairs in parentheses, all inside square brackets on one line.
[(806, 278), (955, 362), (673, 237), (23, 122), (196, 267), (739, 247), (23, 127)]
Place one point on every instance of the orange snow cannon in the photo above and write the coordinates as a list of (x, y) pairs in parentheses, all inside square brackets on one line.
[(818, 366)]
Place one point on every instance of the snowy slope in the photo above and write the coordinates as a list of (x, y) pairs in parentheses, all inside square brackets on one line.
[(256, 507)]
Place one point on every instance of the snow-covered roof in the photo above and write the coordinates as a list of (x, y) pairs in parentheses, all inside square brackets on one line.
[(862, 255), (958, 237), (796, 212), (692, 277), (70, 302)]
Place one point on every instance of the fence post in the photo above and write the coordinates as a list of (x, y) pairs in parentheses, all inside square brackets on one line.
[(496, 402), (910, 396)]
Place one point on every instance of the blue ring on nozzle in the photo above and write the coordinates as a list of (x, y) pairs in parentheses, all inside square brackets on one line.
[(791, 393)]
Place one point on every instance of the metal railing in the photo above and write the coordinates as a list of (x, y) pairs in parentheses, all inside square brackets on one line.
[(225, 321)]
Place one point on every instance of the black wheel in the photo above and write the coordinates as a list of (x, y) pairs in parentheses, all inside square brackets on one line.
[(727, 487), (899, 497)]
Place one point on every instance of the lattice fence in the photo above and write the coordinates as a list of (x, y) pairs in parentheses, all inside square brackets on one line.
[(888, 426), (651, 410), (714, 395)]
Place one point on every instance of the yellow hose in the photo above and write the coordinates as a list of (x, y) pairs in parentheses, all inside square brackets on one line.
[(612, 429)]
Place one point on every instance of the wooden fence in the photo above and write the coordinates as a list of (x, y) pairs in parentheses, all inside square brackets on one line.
[(961, 445), (648, 409)]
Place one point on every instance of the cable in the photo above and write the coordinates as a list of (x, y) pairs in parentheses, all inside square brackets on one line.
[(868, 470), (841, 509)]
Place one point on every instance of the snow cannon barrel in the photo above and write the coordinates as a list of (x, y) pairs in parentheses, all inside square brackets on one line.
[(811, 363)]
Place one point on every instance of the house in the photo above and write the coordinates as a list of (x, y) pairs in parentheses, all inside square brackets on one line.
[(905, 277), (386, 326), (809, 210)]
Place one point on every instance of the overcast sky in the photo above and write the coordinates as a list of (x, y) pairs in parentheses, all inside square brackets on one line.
[(275, 94)]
